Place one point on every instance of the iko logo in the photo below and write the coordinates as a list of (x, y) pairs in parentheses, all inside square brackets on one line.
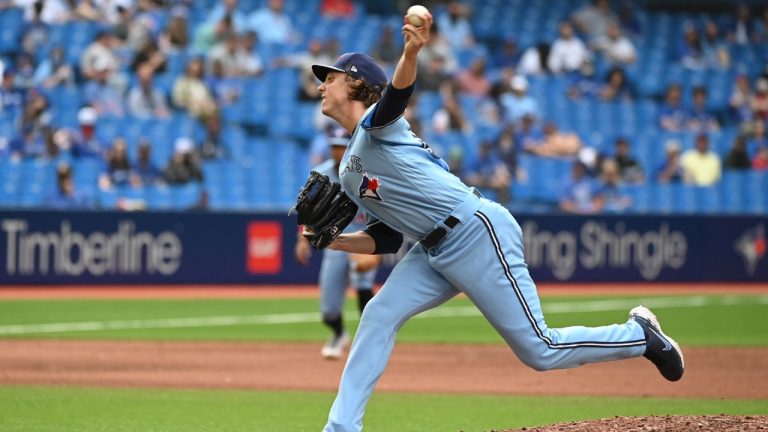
[(264, 253), (751, 245)]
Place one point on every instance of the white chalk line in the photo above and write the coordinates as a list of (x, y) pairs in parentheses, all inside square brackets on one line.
[(312, 317)]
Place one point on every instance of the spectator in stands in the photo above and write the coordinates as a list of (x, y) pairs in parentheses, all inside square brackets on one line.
[(316, 53), (580, 194), (743, 31), (232, 9), (29, 144), (146, 171), (628, 19), (85, 142), (611, 198), (12, 98), (671, 169), (506, 54), (192, 94), (226, 90), (86, 10), (568, 52), (35, 33), (517, 103), (489, 171), (760, 161), (757, 136), (738, 157), (699, 118), (150, 54), (454, 23), (248, 60), (763, 23), (449, 117), (99, 53), (690, 51), (554, 143), (66, 196), (438, 46), (212, 146), (208, 34), (715, 49), (672, 115), (48, 11), (54, 70), (175, 37), (25, 71), (386, 50), (133, 28), (146, 101), (226, 53), (759, 102), (432, 75), (534, 60), (184, 166), (102, 92), (272, 24), (701, 166), (584, 83), (615, 47), (528, 133), (594, 20), (508, 148), (337, 8), (616, 87), (474, 80), (118, 167), (740, 99), (35, 113), (630, 170)]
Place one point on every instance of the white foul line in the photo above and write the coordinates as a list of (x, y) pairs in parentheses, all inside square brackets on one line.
[(311, 317)]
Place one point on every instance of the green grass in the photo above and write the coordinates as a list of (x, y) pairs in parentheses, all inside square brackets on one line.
[(709, 320), (41, 409)]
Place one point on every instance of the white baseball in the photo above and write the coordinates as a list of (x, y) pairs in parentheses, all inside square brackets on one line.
[(416, 14)]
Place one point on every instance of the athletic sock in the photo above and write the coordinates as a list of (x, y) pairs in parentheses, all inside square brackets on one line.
[(336, 324), (363, 297)]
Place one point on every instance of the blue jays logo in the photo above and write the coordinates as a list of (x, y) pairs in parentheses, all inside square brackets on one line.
[(369, 188), (752, 247)]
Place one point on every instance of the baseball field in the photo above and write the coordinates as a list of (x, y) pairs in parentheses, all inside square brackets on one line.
[(247, 359)]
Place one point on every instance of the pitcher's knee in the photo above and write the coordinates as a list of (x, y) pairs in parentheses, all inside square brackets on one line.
[(537, 358)]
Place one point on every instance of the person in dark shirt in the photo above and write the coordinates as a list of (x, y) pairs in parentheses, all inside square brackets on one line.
[(738, 158)]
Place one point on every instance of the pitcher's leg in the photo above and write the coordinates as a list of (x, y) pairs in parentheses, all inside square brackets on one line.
[(501, 287), (413, 287)]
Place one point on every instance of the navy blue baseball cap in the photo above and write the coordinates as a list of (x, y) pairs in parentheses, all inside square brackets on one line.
[(358, 66)]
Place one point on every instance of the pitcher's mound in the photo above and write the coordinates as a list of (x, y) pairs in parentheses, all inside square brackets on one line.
[(719, 423)]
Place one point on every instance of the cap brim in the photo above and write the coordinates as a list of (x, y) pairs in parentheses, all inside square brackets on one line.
[(321, 71)]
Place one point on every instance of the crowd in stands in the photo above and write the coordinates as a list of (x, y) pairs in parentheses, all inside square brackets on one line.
[(499, 103)]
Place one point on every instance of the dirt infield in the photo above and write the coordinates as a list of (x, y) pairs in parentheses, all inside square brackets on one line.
[(488, 369), (721, 423), (711, 373)]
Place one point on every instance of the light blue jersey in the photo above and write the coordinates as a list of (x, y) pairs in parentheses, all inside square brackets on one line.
[(395, 176)]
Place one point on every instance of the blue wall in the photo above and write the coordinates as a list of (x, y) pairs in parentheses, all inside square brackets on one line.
[(207, 248)]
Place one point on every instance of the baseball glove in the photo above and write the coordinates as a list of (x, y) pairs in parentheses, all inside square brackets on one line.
[(324, 210)]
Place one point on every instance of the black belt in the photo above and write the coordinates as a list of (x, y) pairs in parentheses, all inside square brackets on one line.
[(433, 238)]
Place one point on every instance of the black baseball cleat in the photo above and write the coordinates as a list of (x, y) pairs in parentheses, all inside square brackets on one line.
[(660, 349)]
